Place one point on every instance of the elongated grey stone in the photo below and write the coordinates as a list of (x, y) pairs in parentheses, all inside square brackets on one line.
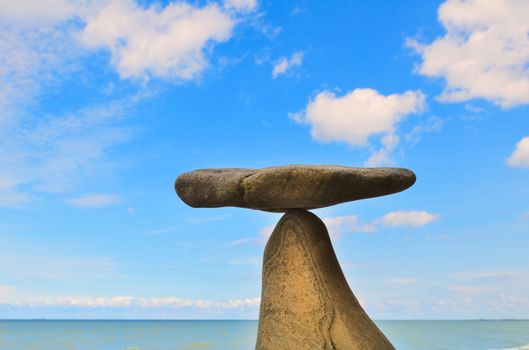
[(288, 187), (306, 302)]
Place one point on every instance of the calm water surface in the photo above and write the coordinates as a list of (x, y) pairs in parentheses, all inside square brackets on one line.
[(234, 335)]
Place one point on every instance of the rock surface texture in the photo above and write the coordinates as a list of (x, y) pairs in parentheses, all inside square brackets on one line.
[(306, 303), (288, 187)]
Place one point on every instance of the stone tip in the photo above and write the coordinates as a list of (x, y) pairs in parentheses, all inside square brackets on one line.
[(288, 187)]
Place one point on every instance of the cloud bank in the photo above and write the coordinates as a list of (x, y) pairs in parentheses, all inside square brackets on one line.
[(131, 302)]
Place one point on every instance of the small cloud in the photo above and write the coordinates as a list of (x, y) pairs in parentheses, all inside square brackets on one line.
[(473, 109), (56, 268), (297, 10), (161, 231), (382, 157), (239, 242), (401, 280), (12, 199), (131, 210), (433, 124), (409, 218), (485, 275), (520, 156), (94, 200), (265, 233), (284, 64), (196, 220), (241, 5), (6, 291), (468, 289), (358, 116), (250, 260), (364, 264), (524, 215), (339, 225)]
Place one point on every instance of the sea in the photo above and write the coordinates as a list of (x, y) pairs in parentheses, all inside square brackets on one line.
[(235, 335)]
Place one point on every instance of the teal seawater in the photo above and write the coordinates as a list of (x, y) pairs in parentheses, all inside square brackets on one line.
[(233, 335)]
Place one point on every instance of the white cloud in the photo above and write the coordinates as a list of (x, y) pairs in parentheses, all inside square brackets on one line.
[(339, 225), (359, 115), (239, 242), (520, 156), (468, 289), (94, 200), (6, 292), (193, 220), (336, 226), (164, 42), (409, 218), (32, 59), (40, 10), (9, 198), (41, 39), (249, 260), (383, 155), (131, 302), (197, 220), (432, 124), (473, 109), (486, 275), (35, 264), (484, 53), (241, 5), (55, 153), (401, 280), (284, 64), (265, 233)]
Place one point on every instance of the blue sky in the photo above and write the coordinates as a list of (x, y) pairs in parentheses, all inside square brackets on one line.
[(104, 102)]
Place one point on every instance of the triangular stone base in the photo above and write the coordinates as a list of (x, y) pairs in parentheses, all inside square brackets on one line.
[(306, 303)]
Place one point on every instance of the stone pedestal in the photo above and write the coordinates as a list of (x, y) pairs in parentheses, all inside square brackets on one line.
[(306, 302)]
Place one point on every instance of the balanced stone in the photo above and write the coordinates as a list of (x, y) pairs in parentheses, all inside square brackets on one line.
[(289, 187), (306, 302)]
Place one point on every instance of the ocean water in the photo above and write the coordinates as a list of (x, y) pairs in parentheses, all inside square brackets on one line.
[(234, 335)]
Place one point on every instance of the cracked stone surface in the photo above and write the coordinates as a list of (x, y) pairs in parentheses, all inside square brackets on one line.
[(306, 302), (288, 187)]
